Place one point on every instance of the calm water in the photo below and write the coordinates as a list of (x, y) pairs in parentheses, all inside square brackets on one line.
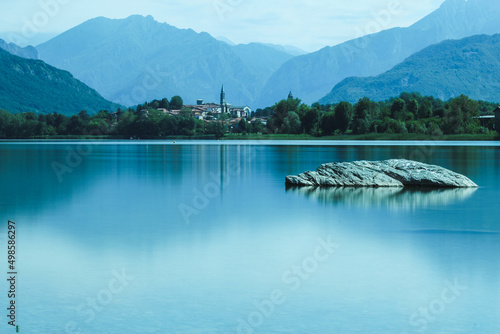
[(204, 237)]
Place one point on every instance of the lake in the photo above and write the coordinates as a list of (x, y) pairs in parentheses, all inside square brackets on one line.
[(204, 237)]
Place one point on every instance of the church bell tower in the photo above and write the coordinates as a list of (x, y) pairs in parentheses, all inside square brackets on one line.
[(223, 107)]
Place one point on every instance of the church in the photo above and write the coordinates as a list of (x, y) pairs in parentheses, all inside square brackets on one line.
[(238, 111), (201, 109)]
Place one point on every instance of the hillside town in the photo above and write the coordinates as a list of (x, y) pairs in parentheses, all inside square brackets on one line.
[(230, 115)]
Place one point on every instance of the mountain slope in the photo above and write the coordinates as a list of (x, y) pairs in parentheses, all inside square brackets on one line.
[(312, 76), (261, 58), (32, 85), (294, 51), (28, 52), (469, 66), (137, 59)]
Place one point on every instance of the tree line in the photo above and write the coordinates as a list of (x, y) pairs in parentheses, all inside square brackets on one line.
[(145, 121), (408, 113)]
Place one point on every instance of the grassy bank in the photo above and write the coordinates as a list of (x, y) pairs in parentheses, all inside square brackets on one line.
[(370, 136)]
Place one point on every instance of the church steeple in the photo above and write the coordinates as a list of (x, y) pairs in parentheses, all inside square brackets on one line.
[(223, 100)]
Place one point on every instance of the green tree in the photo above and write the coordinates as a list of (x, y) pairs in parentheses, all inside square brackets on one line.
[(328, 123), (169, 125), (125, 124), (425, 109), (365, 112), (76, 125), (398, 109), (343, 115), (256, 126), (292, 124), (218, 129), (302, 111), (461, 116), (185, 112), (242, 126), (310, 122), (412, 108), (85, 117), (176, 103), (5, 120), (29, 116), (281, 110), (164, 104)]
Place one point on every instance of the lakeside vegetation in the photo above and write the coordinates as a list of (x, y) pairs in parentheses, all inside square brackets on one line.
[(407, 117), (370, 136)]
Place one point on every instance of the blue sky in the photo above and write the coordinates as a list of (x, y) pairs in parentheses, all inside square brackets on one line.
[(309, 25)]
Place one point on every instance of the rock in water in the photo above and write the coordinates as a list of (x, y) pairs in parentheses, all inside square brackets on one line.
[(388, 173)]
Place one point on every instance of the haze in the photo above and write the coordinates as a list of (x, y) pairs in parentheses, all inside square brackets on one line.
[(307, 25)]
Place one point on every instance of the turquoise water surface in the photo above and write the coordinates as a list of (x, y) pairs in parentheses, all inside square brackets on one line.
[(204, 237)]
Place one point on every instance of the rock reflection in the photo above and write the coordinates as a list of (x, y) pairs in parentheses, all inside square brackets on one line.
[(392, 198)]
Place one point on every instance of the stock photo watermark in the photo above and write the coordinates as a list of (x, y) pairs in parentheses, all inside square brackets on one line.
[(212, 189), (88, 310), (150, 80), (73, 159), (381, 20), (429, 314), (292, 279), (33, 24), (222, 7)]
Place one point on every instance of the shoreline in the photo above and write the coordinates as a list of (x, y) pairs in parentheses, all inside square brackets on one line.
[(283, 137)]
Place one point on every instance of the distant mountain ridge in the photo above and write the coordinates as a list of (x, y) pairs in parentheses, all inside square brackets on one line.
[(469, 66), (312, 76), (28, 52), (137, 59), (290, 49), (32, 85)]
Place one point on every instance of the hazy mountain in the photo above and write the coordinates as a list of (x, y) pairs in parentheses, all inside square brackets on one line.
[(312, 76), (261, 58), (225, 40), (27, 52), (137, 59), (469, 66), (32, 85), (294, 51)]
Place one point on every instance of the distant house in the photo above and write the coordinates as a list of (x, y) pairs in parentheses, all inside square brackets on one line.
[(233, 123), (240, 111), (262, 120), (212, 111), (204, 110), (490, 121)]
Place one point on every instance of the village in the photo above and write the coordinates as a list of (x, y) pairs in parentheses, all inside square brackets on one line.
[(230, 115)]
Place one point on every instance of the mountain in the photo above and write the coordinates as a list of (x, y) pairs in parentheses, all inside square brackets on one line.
[(27, 52), (312, 76), (288, 49), (225, 40), (32, 85), (137, 59), (261, 58), (469, 66), (294, 51)]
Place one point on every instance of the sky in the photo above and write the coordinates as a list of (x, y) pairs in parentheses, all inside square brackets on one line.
[(309, 25)]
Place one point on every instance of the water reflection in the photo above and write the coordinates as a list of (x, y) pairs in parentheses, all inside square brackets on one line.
[(391, 198), (120, 209)]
